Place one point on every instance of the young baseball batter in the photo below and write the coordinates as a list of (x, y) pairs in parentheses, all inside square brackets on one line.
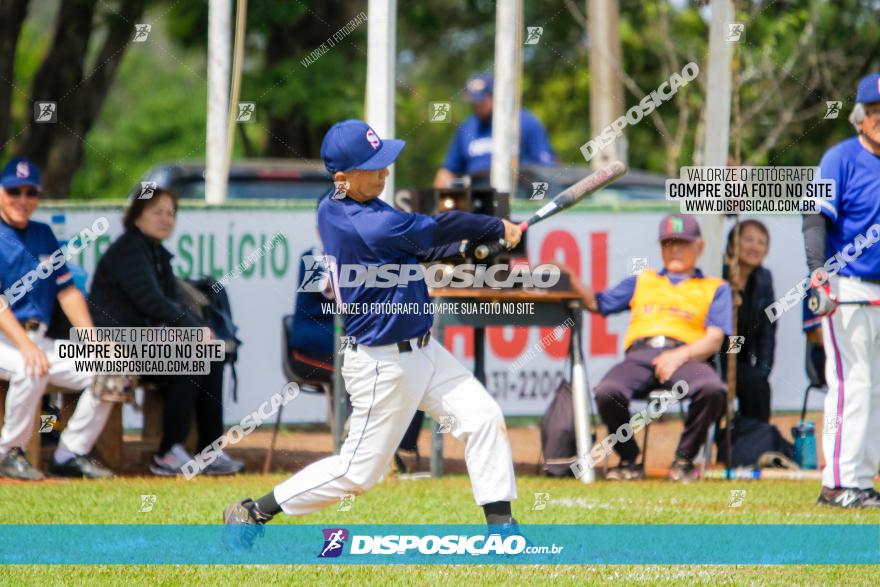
[(851, 332), (393, 367)]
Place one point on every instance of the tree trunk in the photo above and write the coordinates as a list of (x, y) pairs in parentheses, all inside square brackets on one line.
[(12, 15), (59, 147)]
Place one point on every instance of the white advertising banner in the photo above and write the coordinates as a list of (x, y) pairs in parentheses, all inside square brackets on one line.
[(602, 246)]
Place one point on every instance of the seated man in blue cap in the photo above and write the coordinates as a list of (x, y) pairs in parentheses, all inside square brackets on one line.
[(470, 152), (33, 275)]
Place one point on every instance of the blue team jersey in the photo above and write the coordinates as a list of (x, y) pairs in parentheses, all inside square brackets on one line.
[(312, 330), (471, 149), (855, 206), (372, 233), (31, 250)]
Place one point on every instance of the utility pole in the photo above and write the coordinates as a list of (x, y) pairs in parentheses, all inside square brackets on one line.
[(606, 84), (219, 57)]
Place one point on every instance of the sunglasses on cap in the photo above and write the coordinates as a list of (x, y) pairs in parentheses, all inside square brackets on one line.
[(16, 192)]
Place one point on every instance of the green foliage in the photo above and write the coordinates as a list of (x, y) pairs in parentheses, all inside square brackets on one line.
[(155, 113), (156, 109)]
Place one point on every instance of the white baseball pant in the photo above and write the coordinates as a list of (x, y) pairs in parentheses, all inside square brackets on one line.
[(386, 388), (851, 438), (25, 393)]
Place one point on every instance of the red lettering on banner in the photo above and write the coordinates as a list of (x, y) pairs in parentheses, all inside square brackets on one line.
[(602, 342), (506, 342), (466, 332), (556, 242)]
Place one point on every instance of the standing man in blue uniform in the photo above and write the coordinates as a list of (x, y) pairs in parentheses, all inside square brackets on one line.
[(470, 152), (392, 367), (27, 357), (851, 438)]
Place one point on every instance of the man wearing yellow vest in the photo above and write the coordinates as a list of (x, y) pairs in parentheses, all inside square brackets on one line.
[(679, 320)]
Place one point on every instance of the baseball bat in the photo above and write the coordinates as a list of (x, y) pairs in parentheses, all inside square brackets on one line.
[(563, 201)]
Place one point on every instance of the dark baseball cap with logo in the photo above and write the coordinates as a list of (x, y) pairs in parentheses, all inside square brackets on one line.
[(869, 89), (353, 144), (479, 87), (679, 227), (19, 172)]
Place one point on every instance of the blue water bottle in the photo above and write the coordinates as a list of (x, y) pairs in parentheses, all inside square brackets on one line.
[(805, 445)]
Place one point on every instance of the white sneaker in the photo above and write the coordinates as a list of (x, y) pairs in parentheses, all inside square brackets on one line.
[(224, 465), (171, 463)]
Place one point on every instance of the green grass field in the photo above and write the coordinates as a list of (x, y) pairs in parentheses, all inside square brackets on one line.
[(425, 501)]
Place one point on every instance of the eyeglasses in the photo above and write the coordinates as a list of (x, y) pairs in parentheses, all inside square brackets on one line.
[(16, 192)]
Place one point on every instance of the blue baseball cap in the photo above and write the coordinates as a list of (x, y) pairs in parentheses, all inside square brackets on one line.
[(19, 172), (479, 87), (869, 89), (353, 144)]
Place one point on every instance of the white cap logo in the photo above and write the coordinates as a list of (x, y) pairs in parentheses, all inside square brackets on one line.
[(372, 138), (22, 170)]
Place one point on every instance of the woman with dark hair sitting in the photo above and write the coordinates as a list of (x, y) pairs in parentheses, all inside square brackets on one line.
[(134, 286), (755, 285)]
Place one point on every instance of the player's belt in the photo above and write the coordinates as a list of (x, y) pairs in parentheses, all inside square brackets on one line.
[(405, 346), (655, 342), (31, 325)]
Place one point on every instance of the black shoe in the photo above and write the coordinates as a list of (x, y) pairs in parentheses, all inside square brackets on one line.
[(873, 493), (625, 471), (16, 466), (244, 524), (81, 467), (848, 498), (872, 498), (683, 470), (508, 528)]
